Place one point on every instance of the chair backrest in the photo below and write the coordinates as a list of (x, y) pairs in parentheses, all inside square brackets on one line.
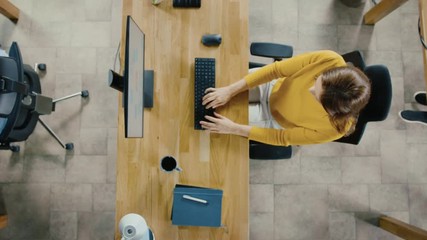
[(12, 92), (379, 103), (9, 101)]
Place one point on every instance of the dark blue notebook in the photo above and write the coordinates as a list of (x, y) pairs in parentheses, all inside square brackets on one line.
[(196, 206)]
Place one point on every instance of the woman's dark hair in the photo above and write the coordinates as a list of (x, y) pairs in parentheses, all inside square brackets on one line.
[(346, 91)]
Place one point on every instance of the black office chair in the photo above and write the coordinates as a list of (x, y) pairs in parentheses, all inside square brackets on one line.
[(277, 52), (21, 102), (377, 108), (379, 103)]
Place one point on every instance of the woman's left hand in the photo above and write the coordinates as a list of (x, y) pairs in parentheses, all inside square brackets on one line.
[(223, 125)]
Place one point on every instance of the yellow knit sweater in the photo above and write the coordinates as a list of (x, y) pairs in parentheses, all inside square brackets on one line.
[(303, 118)]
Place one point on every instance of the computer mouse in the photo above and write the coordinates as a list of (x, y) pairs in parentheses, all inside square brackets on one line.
[(211, 39)]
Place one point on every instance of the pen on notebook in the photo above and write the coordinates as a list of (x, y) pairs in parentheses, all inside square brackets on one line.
[(195, 199)]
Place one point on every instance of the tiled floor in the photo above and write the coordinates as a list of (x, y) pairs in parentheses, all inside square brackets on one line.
[(313, 196)]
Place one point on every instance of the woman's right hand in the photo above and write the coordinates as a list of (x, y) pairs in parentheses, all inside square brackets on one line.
[(216, 97)]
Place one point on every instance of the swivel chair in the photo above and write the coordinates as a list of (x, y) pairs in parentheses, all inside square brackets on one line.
[(21, 102), (277, 52), (379, 103), (377, 108)]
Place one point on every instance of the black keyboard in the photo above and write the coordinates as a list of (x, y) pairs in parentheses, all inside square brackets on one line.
[(204, 77), (186, 3)]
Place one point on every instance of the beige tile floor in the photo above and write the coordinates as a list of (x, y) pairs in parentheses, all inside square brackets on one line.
[(51, 194)]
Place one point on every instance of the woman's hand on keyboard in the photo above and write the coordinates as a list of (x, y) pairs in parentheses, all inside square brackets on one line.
[(221, 124), (216, 97)]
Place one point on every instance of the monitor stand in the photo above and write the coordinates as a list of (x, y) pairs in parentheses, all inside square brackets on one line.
[(115, 81), (148, 88)]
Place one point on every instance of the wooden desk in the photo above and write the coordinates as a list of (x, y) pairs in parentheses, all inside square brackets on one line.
[(382, 9), (9, 10), (218, 161)]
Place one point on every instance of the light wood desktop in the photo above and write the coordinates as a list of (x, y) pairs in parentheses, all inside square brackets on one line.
[(9, 10), (172, 41)]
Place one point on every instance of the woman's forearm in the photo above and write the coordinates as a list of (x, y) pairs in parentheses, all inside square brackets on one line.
[(242, 130), (238, 87)]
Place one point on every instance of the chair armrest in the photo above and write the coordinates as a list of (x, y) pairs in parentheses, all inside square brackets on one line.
[(255, 65), (264, 151), (356, 58), (271, 50), (9, 85)]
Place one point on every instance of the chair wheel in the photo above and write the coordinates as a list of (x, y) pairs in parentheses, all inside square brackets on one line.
[(69, 146), (15, 149), (41, 66), (85, 93)]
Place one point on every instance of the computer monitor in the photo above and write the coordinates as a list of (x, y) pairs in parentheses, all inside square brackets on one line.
[(136, 83)]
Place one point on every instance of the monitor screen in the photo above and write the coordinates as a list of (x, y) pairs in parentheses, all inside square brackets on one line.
[(133, 93)]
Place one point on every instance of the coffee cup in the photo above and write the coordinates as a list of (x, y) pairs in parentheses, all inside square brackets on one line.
[(169, 164)]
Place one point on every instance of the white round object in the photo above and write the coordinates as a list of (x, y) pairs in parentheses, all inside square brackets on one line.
[(133, 227)]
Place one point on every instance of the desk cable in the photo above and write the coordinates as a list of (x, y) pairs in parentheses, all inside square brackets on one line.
[(115, 57), (419, 33)]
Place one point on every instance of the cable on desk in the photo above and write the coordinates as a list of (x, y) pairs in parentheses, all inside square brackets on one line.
[(115, 58), (419, 33)]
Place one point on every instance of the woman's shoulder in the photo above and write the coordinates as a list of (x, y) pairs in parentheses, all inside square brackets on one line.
[(324, 57), (329, 55)]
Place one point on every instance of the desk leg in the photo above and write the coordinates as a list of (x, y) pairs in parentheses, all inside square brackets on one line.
[(401, 229), (3, 212), (9, 10), (381, 10)]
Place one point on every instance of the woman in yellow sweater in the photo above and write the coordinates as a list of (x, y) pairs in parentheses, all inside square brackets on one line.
[(314, 98)]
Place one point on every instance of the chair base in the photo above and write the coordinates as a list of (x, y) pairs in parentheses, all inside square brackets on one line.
[(67, 146), (84, 94), (19, 135), (420, 97), (7, 146)]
